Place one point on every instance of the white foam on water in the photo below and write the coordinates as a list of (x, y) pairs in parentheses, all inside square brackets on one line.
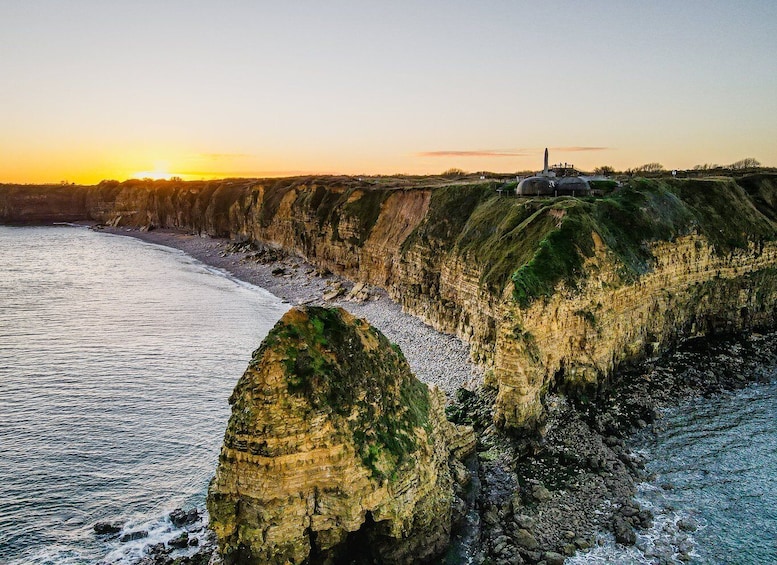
[(56, 554), (123, 355), (160, 530), (664, 542)]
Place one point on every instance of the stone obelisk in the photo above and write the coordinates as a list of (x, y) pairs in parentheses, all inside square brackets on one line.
[(545, 170)]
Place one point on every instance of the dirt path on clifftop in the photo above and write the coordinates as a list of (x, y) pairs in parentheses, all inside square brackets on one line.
[(434, 357)]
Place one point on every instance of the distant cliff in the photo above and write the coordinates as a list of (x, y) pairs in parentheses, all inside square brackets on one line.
[(335, 452), (552, 293)]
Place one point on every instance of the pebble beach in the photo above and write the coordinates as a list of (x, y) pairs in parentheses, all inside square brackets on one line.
[(436, 358)]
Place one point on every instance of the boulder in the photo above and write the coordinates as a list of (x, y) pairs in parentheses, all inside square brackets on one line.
[(334, 291), (181, 518), (132, 536), (103, 528), (524, 538), (624, 533), (179, 542), (553, 558), (359, 293), (688, 524), (540, 493)]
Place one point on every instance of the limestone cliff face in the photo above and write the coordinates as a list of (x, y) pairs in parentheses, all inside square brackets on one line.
[(334, 451), (574, 339), (550, 292), (29, 204)]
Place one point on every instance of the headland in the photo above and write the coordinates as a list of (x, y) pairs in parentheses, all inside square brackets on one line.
[(556, 298)]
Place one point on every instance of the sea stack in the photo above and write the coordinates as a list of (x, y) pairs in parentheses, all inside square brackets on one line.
[(334, 451)]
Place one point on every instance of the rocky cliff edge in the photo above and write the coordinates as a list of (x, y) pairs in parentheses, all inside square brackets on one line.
[(334, 451), (552, 294)]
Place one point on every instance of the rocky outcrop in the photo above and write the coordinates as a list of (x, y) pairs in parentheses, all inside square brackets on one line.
[(551, 293), (33, 204), (334, 451), (579, 337)]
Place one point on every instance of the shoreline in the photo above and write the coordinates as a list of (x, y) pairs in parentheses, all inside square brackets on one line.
[(546, 496), (520, 518), (573, 486), (436, 358)]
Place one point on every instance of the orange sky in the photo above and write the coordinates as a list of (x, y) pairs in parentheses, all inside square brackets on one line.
[(94, 90)]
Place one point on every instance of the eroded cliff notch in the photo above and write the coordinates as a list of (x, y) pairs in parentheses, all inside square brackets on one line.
[(334, 451)]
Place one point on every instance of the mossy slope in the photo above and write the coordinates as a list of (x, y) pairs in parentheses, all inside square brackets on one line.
[(334, 451), (345, 368), (539, 242)]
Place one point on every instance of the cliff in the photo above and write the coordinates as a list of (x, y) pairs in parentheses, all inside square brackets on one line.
[(552, 293), (40, 204), (334, 452)]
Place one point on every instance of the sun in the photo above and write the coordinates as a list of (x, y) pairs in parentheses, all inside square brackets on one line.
[(160, 172), (153, 175)]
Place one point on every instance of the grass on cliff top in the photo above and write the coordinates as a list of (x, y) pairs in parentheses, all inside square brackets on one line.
[(629, 220), (331, 204), (537, 243), (762, 190), (726, 213), (327, 364), (450, 208)]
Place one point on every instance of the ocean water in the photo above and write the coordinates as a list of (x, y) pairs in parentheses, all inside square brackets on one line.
[(714, 489), (116, 361), (117, 358)]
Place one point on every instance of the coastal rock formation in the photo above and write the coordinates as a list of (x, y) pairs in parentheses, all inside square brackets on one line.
[(551, 293), (578, 337), (334, 451)]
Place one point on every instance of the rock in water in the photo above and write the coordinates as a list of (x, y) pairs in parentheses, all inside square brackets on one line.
[(181, 518), (334, 451), (103, 528)]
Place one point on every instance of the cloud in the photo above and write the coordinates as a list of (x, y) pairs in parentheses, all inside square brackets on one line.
[(478, 153), (577, 149)]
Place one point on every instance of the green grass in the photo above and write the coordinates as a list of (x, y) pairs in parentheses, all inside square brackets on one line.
[(557, 257), (502, 233), (537, 243), (449, 210), (629, 220), (725, 213), (606, 186), (326, 363), (762, 190), (642, 212)]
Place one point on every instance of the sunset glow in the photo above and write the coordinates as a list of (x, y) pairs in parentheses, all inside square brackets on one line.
[(159, 173), (380, 88)]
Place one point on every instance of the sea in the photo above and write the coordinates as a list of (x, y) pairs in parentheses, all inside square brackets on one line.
[(712, 488), (117, 359)]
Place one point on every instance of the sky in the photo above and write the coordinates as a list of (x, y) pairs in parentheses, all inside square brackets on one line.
[(93, 90)]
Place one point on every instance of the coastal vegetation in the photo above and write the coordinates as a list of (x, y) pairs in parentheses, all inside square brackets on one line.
[(335, 452), (335, 373), (477, 261), (554, 295), (539, 242)]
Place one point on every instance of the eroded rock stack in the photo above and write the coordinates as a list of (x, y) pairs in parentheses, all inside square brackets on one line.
[(334, 452)]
